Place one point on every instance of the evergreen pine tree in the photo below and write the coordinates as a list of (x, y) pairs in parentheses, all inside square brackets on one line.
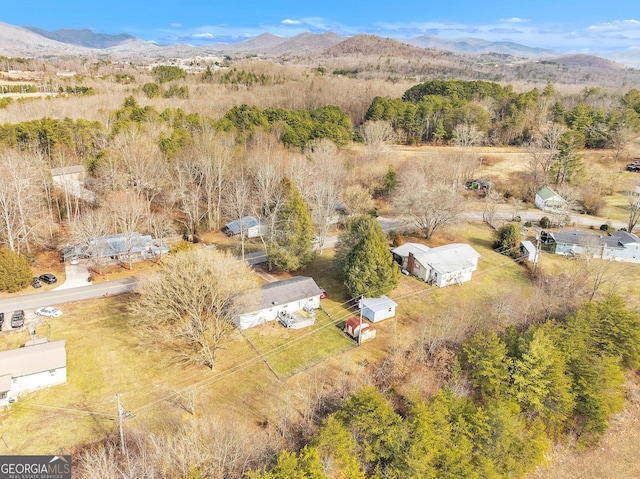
[(15, 272), (369, 269), (291, 249)]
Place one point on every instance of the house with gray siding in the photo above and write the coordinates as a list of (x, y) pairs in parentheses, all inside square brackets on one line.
[(617, 246)]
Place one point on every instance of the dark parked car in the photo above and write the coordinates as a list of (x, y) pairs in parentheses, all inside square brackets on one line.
[(48, 278), (1, 319), (35, 282), (17, 319)]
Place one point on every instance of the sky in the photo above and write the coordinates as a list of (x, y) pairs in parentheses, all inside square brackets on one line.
[(586, 26)]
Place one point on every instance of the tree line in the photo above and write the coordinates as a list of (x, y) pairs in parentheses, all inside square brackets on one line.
[(431, 112)]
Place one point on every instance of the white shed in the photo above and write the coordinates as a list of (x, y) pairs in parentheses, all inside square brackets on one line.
[(377, 309), (250, 226), (529, 251)]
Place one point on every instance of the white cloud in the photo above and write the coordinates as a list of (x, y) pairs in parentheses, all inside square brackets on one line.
[(514, 20), (203, 35), (288, 21), (176, 25)]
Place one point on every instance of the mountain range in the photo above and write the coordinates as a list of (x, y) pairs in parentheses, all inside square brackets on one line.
[(36, 42)]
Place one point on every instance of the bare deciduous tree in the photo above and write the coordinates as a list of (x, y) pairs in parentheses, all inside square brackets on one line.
[(429, 206), (376, 135), (633, 198), (198, 294), (20, 198), (238, 203), (130, 213), (89, 232), (328, 173), (542, 155)]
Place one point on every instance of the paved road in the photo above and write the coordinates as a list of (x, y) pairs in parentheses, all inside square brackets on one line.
[(57, 297), (60, 296)]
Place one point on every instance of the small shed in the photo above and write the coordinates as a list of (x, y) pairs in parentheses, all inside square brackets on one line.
[(359, 329), (249, 225), (377, 309), (529, 251), (548, 200)]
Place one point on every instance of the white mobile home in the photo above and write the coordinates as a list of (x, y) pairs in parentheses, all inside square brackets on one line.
[(289, 295), (30, 368)]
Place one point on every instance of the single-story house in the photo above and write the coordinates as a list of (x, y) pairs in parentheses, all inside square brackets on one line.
[(289, 295), (117, 247), (442, 266), (250, 225), (529, 251), (72, 180), (377, 309), (617, 246), (359, 329), (35, 366), (548, 200)]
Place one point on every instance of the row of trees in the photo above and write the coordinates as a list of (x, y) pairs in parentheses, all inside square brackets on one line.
[(431, 112), (529, 389)]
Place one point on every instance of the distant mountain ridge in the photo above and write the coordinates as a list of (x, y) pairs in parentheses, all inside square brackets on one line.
[(84, 37), (477, 45), (37, 42)]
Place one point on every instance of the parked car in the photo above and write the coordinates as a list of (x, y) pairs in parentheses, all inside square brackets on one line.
[(35, 282), (1, 319), (49, 311), (17, 319), (48, 278), (323, 292)]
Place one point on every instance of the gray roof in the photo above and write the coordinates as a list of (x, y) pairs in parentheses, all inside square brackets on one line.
[(67, 170), (33, 359), (413, 248), (119, 244), (547, 193), (245, 223), (583, 238), (444, 259), (378, 304), (287, 290), (528, 245), (625, 237)]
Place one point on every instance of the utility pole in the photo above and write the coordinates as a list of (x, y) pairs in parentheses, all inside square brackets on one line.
[(120, 418)]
